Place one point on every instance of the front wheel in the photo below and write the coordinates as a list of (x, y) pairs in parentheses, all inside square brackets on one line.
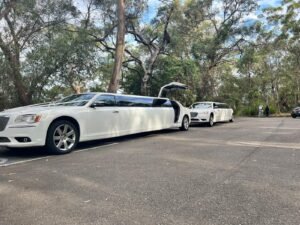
[(185, 124), (232, 119), (62, 137), (211, 120)]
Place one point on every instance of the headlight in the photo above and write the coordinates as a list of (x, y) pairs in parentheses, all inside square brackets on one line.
[(28, 118)]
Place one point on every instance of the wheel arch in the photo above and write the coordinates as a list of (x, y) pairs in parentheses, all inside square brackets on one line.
[(67, 118), (188, 116)]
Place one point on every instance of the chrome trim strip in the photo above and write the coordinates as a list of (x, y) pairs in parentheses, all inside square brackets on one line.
[(23, 126)]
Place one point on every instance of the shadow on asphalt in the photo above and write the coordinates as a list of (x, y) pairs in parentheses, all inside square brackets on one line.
[(34, 152)]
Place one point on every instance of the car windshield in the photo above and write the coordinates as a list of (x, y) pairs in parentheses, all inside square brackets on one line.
[(75, 100), (202, 105)]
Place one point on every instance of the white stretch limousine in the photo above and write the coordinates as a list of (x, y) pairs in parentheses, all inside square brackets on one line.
[(83, 117), (210, 113)]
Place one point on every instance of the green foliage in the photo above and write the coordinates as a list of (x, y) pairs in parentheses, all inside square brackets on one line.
[(205, 44)]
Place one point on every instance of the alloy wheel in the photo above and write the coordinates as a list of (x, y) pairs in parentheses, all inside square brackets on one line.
[(64, 137)]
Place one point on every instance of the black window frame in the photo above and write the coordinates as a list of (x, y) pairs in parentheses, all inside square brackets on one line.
[(133, 101), (112, 105)]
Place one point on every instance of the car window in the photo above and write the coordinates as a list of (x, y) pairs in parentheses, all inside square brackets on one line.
[(75, 100), (134, 101), (202, 105), (105, 100), (161, 102)]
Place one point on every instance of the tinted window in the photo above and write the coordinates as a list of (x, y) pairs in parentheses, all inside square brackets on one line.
[(202, 105), (105, 100), (216, 106), (220, 106), (160, 102), (75, 100), (134, 101)]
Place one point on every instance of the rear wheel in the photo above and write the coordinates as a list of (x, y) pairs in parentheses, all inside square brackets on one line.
[(294, 116), (232, 119), (211, 120), (185, 124), (62, 137)]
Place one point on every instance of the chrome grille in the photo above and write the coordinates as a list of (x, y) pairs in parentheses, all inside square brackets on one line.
[(3, 122), (194, 114)]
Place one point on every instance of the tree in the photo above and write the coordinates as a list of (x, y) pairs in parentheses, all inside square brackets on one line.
[(222, 37), (23, 23), (120, 45), (153, 41)]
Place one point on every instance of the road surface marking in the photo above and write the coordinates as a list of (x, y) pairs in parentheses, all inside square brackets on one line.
[(3, 160), (22, 161), (266, 144), (280, 128), (47, 157), (87, 149)]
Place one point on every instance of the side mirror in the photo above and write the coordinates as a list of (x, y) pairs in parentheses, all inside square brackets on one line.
[(97, 104)]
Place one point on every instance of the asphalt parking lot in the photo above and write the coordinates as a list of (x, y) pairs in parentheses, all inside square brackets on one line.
[(246, 172)]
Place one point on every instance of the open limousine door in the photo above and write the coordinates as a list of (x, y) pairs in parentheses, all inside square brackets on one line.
[(170, 87), (182, 114)]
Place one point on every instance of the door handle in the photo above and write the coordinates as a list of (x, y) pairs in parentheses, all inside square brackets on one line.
[(115, 111)]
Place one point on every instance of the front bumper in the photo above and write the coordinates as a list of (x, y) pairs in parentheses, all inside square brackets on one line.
[(23, 136), (200, 118)]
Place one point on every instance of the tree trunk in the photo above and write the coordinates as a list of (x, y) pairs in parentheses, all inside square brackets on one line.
[(207, 85), (148, 70), (116, 76), (13, 61), (144, 86)]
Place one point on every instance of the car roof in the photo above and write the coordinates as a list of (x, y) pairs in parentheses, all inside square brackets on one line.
[(210, 102), (117, 94)]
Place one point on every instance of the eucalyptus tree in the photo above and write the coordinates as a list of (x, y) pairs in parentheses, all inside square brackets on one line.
[(152, 41), (110, 33), (120, 45), (23, 25), (221, 40), (284, 22)]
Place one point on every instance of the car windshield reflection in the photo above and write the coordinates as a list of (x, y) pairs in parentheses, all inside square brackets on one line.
[(202, 106), (74, 100)]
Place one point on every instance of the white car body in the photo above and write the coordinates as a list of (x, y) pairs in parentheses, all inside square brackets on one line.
[(92, 121), (210, 112)]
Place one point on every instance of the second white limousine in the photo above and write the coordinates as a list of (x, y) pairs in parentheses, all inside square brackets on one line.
[(83, 117), (211, 112)]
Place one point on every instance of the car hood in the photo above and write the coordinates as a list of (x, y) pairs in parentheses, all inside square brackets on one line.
[(32, 109)]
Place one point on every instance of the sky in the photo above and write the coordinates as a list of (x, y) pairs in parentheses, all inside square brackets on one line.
[(262, 4)]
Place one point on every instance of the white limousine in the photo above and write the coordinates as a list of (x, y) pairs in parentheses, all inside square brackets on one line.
[(210, 113), (83, 117)]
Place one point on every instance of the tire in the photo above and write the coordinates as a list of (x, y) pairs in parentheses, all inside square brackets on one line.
[(185, 123), (294, 116), (232, 119), (62, 137), (211, 121)]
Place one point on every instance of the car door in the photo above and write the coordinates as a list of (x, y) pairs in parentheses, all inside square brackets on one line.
[(103, 117), (217, 112)]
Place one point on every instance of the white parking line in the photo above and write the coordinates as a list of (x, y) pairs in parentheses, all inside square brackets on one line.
[(47, 157), (87, 149), (23, 161), (281, 128), (266, 144)]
